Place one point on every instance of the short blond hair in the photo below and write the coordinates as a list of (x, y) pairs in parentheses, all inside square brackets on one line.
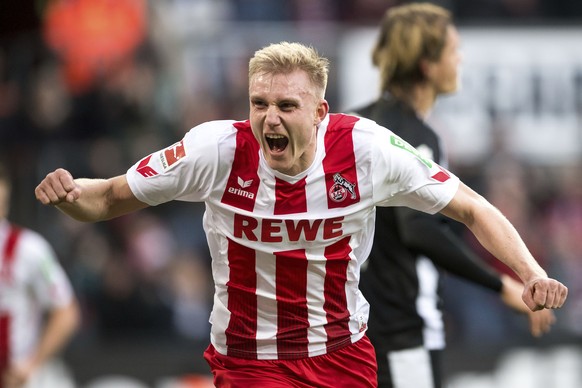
[(409, 34), (286, 57)]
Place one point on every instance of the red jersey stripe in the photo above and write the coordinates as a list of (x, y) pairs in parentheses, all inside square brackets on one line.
[(291, 277), (241, 191), (339, 163), (243, 182), (242, 302), (336, 305), (4, 344), (290, 198), (341, 179), (292, 321), (8, 252), (6, 275)]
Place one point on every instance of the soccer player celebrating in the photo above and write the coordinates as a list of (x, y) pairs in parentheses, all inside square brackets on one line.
[(290, 199)]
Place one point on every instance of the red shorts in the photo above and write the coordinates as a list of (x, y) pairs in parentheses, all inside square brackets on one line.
[(349, 367)]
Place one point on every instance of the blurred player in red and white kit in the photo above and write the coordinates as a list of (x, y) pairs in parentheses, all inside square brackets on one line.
[(32, 284), (290, 201)]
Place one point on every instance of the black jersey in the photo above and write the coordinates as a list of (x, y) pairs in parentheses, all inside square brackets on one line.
[(400, 282)]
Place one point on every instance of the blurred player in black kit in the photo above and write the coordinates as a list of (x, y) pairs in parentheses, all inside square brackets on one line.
[(417, 54)]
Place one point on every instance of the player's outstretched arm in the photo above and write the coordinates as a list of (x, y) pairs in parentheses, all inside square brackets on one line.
[(87, 199), (501, 239)]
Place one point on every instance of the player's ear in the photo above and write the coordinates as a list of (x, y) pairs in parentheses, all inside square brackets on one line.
[(321, 111), (426, 69)]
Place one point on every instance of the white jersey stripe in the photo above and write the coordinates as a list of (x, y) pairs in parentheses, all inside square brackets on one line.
[(317, 321), (266, 306)]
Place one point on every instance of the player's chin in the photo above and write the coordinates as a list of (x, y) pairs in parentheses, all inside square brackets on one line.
[(279, 162), (451, 88)]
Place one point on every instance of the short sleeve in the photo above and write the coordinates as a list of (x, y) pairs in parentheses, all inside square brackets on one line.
[(185, 170), (403, 177)]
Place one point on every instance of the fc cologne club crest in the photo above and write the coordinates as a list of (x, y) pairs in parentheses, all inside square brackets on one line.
[(341, 188)]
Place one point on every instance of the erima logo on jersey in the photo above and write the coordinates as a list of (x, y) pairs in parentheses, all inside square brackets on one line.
[(340, 189), (243, 185)]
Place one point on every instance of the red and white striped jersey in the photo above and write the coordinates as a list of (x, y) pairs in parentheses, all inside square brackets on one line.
[(31, 283), (286, 251)]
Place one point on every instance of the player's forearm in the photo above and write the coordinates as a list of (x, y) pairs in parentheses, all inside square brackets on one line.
[(511, 294), (87, 199), (502, 240), (62, 323), (494, 232), (92, 204)]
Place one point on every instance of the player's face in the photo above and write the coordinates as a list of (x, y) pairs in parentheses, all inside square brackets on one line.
[(285, 110), (445, 73)]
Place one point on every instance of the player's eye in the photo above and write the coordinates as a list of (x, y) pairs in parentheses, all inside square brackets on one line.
[(258, 104)]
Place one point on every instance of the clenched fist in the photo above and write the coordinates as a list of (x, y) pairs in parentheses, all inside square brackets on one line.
[(544, 293), (57, 187)]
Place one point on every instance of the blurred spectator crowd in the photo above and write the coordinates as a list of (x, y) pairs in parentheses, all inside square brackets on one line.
[(97, 106)]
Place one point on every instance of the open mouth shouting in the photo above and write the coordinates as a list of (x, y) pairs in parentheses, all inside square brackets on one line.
[(277, 143)]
